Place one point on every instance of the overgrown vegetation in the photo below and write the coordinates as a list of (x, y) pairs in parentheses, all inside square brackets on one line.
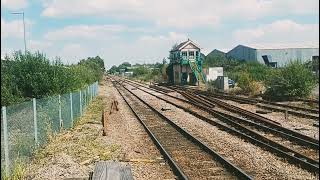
[(220, 60), (143, 72), (33, 75), (293, 80)]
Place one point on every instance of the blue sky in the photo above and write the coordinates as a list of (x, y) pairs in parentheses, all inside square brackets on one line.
[(144, 31)]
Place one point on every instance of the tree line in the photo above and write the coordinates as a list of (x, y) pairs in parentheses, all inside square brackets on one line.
[(33, 75), (145, 72)]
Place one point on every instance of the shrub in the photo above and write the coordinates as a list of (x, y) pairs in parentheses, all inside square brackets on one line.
[(32, 75), (256, 71), (248, 85), (139, 71), (292, 81), (244, 81)]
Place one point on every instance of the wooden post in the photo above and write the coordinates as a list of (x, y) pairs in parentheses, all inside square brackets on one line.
[(286, 114), (103, 124)]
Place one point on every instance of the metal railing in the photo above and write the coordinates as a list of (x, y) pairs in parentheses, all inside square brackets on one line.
[(27, 126)]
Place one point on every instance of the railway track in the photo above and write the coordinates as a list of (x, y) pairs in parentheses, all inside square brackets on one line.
[(188, 157), (255, 100), (258, 119), (294, 110), (297, 151), (290, 134)]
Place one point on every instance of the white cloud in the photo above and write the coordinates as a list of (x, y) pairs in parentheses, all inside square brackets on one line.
[(84, 32), (179, 13), (14, 28), (145, 49), (37, 45), (11, 29), (172, 37), (92, 32), (73, 53), (14, 4), (114, 51), (281, 33)]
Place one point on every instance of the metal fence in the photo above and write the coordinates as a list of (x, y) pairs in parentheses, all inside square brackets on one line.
[(28, 125)]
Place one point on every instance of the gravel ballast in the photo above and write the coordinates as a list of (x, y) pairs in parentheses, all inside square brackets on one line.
[(137, 148), (73, 153), (257, 162), (302, 125)]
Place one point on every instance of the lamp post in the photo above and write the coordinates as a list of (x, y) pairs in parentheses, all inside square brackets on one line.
[(24, 30)]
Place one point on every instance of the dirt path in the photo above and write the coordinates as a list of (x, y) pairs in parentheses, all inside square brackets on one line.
[(72, 154)]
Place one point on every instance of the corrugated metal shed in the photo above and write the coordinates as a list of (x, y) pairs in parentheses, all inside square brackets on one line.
[(243, 53), (282, 55)]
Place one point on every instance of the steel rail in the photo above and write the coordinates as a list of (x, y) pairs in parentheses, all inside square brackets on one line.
[(260, 137), (292, 156), (314, 142), (274, 107), (284, 132), (228, 165), (288, 131), (252, 101)]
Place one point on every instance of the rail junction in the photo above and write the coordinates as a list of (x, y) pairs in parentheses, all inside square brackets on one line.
[(190, 157)]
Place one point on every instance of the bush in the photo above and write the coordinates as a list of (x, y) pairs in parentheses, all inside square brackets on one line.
[(248, 85), (140, 71), (292, 81), (32, 75), (244, 81), (256, 71)]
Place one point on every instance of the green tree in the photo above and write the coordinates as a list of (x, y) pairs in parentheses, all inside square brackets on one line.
[(113, 69), (33, 75), (140, 71)]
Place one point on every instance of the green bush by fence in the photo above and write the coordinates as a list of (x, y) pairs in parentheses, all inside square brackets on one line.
[(33, 75)]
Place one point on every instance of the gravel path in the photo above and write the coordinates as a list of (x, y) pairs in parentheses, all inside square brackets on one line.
[(255, 161)]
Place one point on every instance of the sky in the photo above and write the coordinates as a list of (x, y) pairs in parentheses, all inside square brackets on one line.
[(143, 31)]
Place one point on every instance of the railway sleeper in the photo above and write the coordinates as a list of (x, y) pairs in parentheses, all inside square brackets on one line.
[(292, 159)]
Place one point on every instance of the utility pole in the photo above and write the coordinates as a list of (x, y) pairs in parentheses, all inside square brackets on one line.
[(24, 30)]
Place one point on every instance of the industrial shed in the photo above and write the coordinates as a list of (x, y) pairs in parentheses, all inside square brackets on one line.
[(282, 55)]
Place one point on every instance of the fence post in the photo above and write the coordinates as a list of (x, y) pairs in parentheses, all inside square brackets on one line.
[(91, 89), (85, 98), (60, 114), (71, 110), (6, 141), (35, 121), (95, 88), (80, 103)]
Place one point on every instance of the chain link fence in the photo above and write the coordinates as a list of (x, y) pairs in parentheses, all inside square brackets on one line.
[(28, 125)]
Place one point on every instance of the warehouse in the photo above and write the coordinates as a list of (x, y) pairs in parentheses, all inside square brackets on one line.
[(280, 56)]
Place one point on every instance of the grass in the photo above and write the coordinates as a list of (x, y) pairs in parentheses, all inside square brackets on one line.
[(83, 143), (18, 171)]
